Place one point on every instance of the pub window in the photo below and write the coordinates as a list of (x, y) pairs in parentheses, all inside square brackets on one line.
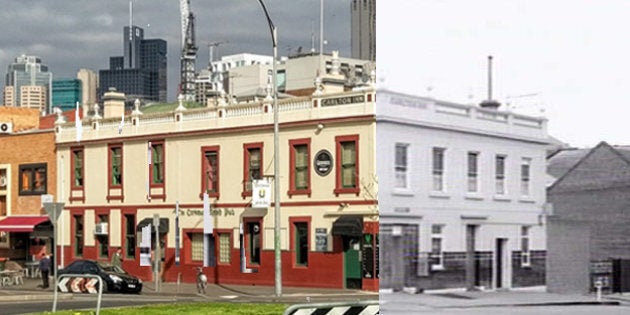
[(78, 235), (525, 248), (299, 166), (115, 160), (253, 165), (525, 176), (130, 236), (400, 165), (210, 170), (347, 164), (32, 179), (224, 248), (157, 163), (77, 167), (499, 174), (437, 254), (196, 245), (103, 240), (438, 169), (473, 172)]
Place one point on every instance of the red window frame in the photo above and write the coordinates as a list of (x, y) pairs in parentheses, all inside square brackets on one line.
[(292, 156), (292, 221), (339, 189), (258, 220), (161, 185), (123, 231), (110, 156), (246, 148), (204, 169), (74, 213), (97, 240), (73, 186)]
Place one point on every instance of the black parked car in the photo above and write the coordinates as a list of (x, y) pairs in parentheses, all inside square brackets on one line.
[(115, 278)]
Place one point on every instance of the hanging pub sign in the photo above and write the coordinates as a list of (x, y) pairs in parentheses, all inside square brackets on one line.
[(261, 193), (323, 163)]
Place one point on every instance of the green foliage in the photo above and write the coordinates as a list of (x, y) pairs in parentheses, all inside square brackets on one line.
[(188, 308)]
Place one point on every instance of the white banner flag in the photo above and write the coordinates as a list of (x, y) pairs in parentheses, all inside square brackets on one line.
[(78, 124)]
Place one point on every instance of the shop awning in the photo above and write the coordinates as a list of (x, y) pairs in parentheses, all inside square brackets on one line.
[(21, 224), (348, 225), (163, 229)]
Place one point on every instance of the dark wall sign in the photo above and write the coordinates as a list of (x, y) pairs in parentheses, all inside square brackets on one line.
[(323, 163), (321, 240), (343, 100)]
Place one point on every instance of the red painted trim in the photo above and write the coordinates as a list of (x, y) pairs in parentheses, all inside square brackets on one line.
[(73, 187), (292, 144), (246, 148), (152, 185), (170, 207), (110, 186), (217, 192), (312, 122), (338, 186), (292, 221)]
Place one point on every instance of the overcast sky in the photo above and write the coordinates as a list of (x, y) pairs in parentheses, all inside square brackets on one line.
[(570, 58), (72, 34)]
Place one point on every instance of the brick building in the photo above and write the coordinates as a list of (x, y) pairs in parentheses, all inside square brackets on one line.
[(27, 171), (117, 181), (591, 214)]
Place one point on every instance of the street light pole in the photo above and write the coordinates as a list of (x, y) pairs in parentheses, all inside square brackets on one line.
[(276, 156)]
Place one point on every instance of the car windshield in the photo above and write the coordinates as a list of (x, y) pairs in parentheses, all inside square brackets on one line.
[(111, 268)]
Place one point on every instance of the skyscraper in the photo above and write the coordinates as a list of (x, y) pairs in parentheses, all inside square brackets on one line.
[(363, 29), (28, 71), (141, 72), (66, 93), (89, 83)]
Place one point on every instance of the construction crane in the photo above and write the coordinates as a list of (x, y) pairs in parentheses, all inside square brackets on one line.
[(189, 52), (211, 46)]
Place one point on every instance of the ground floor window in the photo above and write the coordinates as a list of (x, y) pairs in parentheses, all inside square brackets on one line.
[(78, 235), (224, 248), (196, 244), (253, 241)]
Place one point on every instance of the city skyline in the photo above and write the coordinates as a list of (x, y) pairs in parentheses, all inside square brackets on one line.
[(86, 35)]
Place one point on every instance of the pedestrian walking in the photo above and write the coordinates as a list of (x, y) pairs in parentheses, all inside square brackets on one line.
[(44, 267), (117, 258)]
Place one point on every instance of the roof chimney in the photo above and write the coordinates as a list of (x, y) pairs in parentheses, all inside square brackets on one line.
[(490, 103)]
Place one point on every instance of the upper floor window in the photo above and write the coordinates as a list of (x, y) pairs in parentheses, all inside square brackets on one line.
[(157, 163), (400, 166), (473, 172), (210, 170), (116, 165), (438, 169), (77, 168), (347, 180), (499, 174), (299, 166), (33, 179), (253, 165), (525, 176)]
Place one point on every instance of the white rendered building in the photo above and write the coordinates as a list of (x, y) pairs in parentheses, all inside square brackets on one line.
[(461, 194)]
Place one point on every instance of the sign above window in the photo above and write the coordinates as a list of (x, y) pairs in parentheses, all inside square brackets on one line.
[(323, 163)]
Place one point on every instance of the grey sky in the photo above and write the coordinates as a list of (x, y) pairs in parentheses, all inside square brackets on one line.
[(569, 58), (72, 34)]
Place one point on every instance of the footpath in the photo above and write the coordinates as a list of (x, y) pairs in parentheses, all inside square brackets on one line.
[(32, 290), (521, 297)]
